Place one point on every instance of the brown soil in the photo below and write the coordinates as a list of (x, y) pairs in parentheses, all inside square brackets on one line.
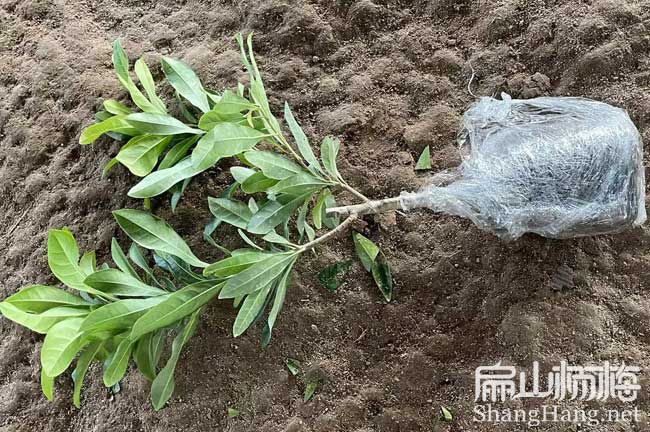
[(388, 77)]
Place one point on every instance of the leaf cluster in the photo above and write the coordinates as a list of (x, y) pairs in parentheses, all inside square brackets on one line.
[(147, 306)]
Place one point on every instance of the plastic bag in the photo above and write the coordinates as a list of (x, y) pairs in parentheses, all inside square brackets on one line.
[(558, 167)]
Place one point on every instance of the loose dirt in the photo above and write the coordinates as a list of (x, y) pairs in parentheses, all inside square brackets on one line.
[(389, 77)]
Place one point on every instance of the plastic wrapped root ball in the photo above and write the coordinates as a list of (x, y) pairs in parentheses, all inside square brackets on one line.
[(558, 167)]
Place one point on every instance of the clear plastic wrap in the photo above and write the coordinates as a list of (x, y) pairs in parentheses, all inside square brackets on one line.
[(558, 167)]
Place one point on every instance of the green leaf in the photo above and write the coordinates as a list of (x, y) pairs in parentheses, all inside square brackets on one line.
[(311, 234), (138, 259), (178, 305), (118, 363), (424, 161), (85, 359), (250, 308), (121, 64), (227, 109), (62, 342), (186, 83), (301, 140), (141, 153), (234, 264), (88, 262), (159, 124), (273, 165), (178, 152), (258, 275), (232, 103), (225, 140), (278, 301), (211, 119), (144, 75), (382, 275), (111, 163), (116, 108), (319, 209), (116, 123), (446, 415), (273, 237), (232, 412), (178, 191), (331, 276), (120, 259), (40, 322), (301, 221), (117, 283), (330, 222), (160, 181), (186, 112), (241, 174), (39, 298), (154, 233), (310, 389), (163, 386), (257, 182), (47, 385), (329, 150), (273, 213), (176, 267), (298, 184), (252, 205), (230, 211), (63, 258), (147, 353), (293, 366), (119, 315), (366, 250), (248, 241)]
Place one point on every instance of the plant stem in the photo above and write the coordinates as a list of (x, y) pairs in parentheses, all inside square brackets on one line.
[(354, 192), (325, 237), (369, 207)]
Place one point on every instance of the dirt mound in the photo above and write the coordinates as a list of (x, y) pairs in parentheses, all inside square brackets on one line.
[(388, 77)]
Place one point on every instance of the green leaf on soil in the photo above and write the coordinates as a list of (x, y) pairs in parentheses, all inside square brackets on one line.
[(382, 275), (424, 161), (310, 389), (293, 366), (117, 364), (83, 362), (446, 415), (366, 250), (301, 140), (332, 276), (62, 343), (329, 151), (163, 385)]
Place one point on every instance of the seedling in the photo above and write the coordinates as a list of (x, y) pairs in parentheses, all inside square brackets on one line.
[(130, 311)]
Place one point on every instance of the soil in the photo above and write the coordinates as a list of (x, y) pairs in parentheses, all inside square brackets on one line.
[(388, 77)]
